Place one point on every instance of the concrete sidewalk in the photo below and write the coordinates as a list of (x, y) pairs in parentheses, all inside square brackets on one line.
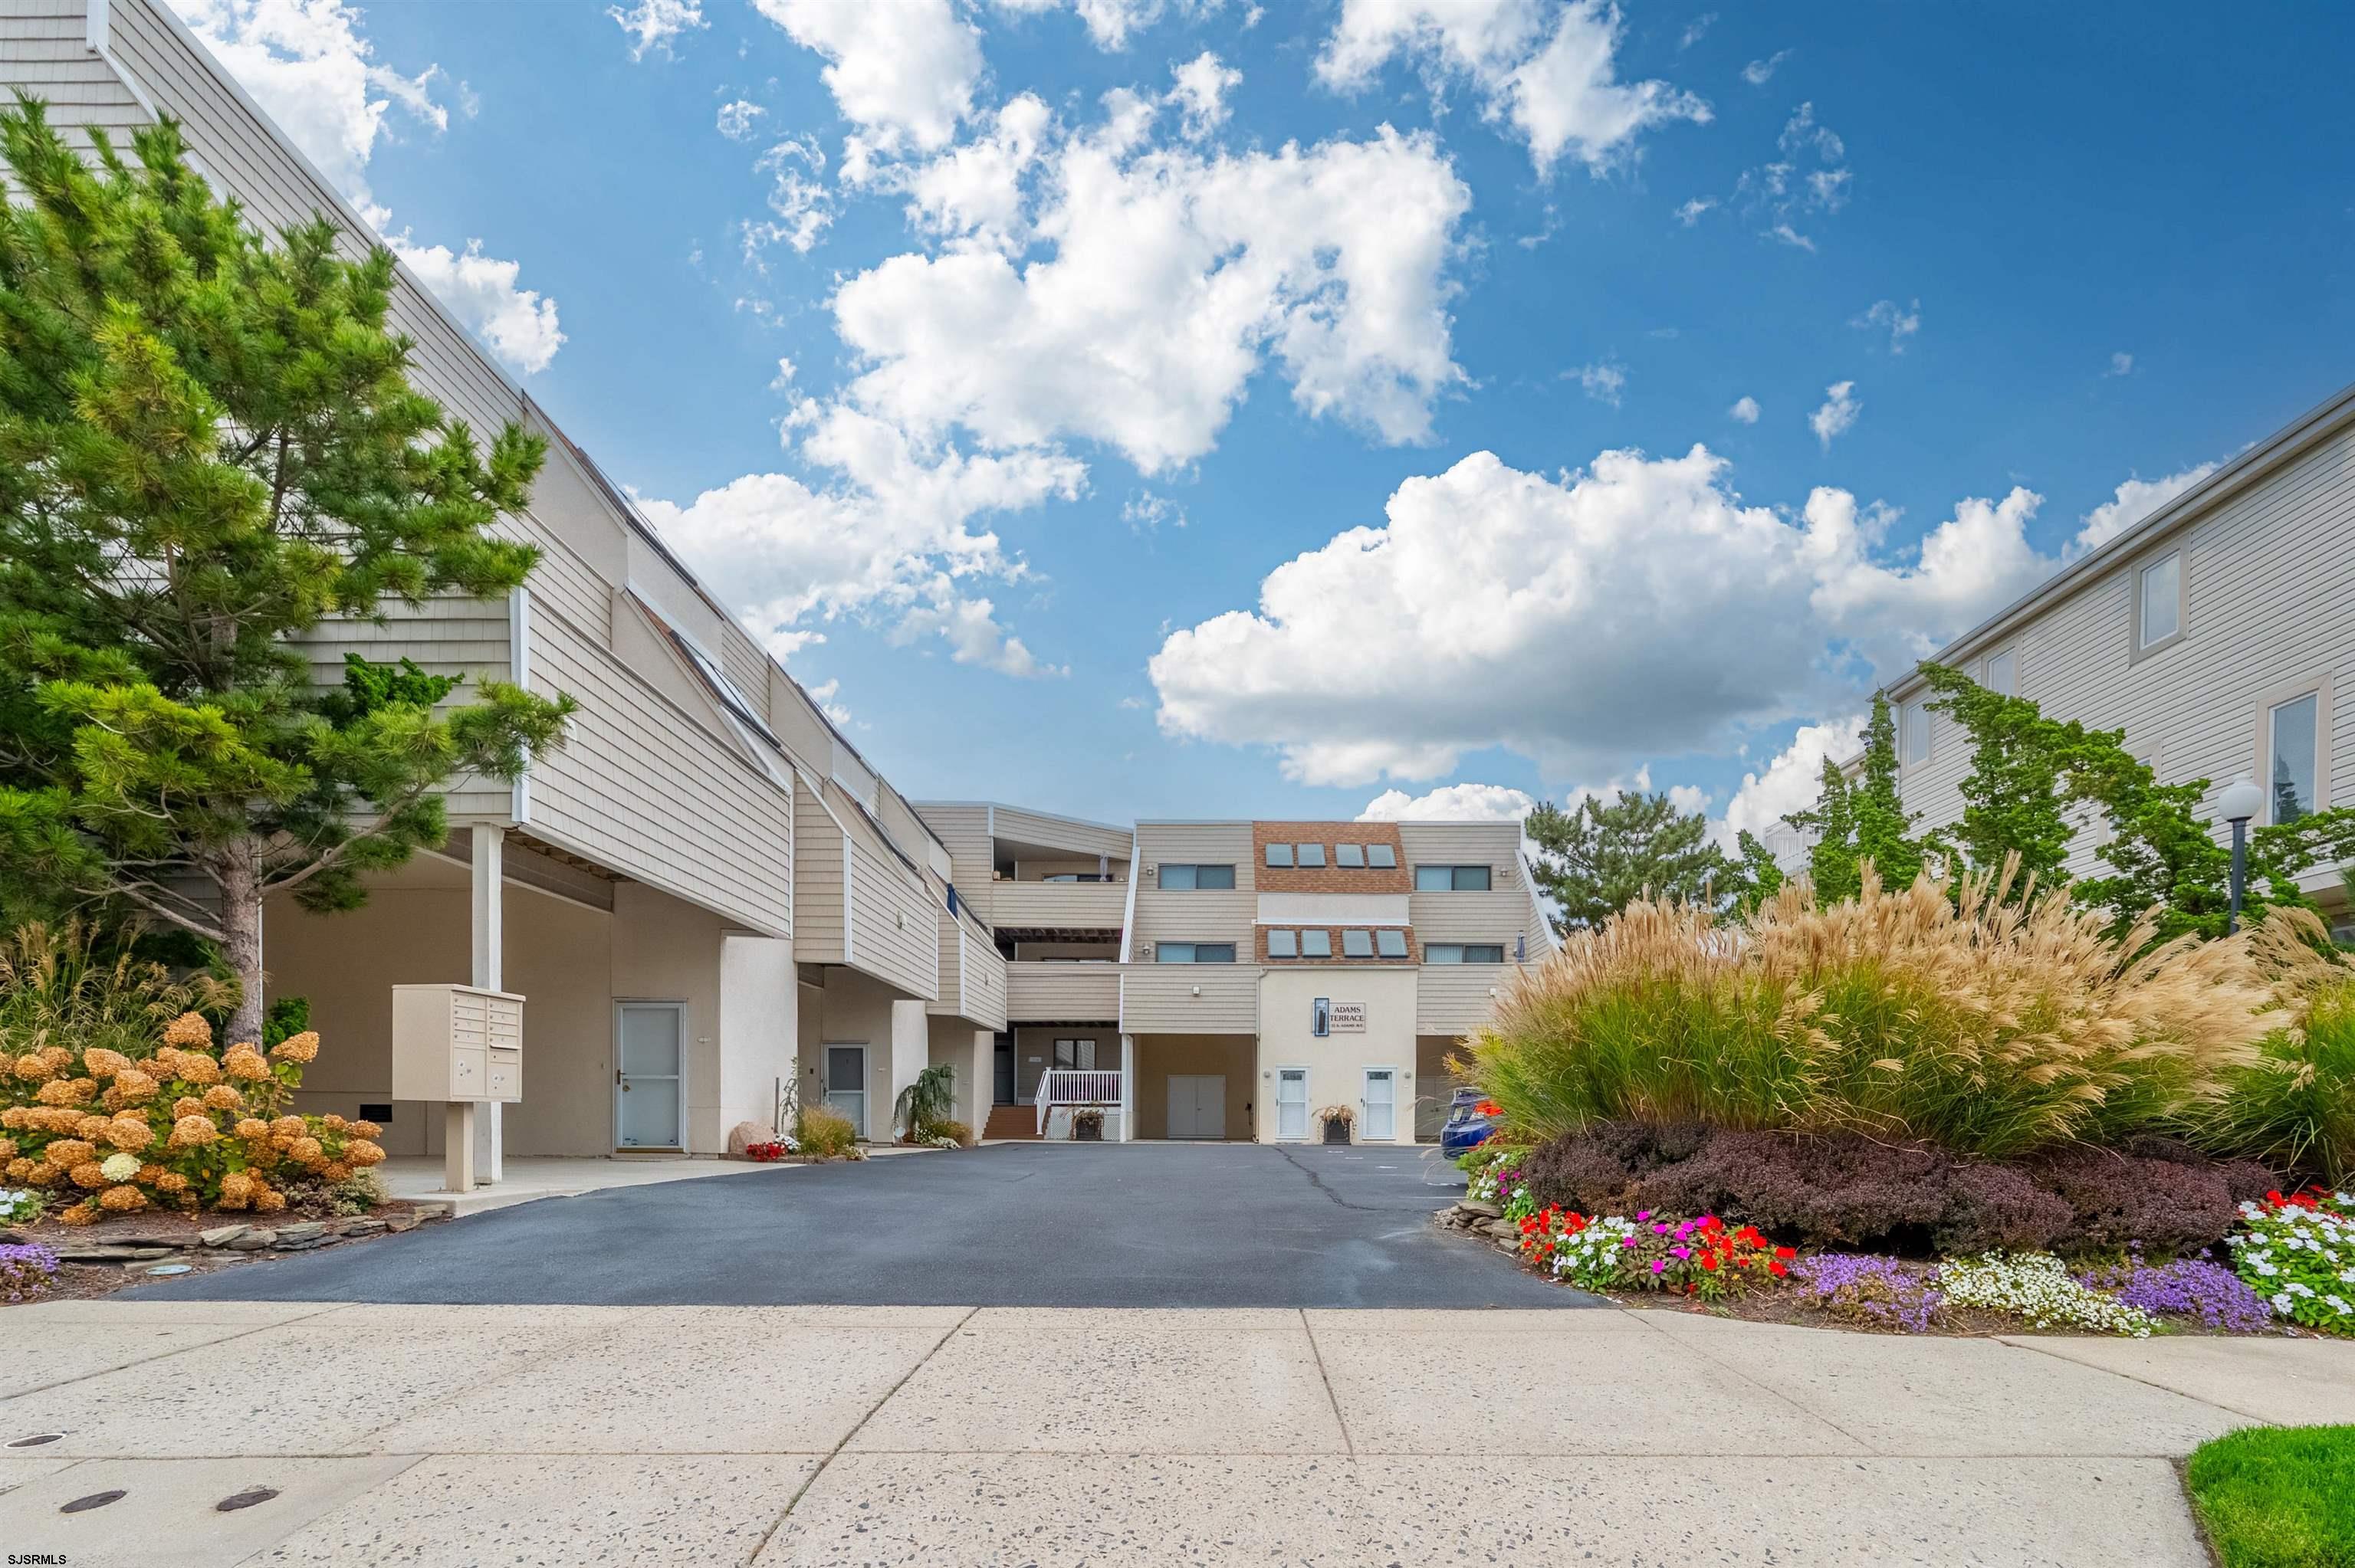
[(943, 1435)]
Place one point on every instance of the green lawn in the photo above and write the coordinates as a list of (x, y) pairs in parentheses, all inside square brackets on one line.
[(2278, 1497)]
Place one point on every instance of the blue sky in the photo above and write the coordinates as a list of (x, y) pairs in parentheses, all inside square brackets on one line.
[(1084, 347)]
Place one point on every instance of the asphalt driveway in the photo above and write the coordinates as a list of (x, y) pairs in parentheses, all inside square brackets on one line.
[(1013, 1224)]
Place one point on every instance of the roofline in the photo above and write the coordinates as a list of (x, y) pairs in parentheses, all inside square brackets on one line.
[(2317, 424), (1027, 812), (1367, 821)]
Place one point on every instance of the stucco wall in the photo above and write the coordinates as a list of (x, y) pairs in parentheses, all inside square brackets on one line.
[(758, 1023), (1335, 1063), (666, 950), (853, 1008), (962, 1047)]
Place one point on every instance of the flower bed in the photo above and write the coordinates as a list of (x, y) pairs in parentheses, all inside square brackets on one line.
[(179, 1128), (25, 1271), (2299, 1252), (2294, 1266)]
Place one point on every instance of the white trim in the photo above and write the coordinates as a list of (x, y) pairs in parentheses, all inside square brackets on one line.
[(2135, 571), (519, 674), (1366, 1070), (1307, 1115), (866, 1067), (678, 1009), (2278, 695)]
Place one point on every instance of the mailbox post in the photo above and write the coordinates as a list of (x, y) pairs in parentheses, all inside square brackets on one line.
[(462, 1045)]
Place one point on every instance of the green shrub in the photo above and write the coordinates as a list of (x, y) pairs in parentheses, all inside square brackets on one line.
[(1956, 1017), (823, 1134)]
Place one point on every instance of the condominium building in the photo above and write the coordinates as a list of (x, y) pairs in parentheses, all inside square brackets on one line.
[(1239, 980), (2218, 631), (711, 905)]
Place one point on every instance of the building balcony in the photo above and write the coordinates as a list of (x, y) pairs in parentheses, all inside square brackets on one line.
[(1062, 991), (1019, 909)]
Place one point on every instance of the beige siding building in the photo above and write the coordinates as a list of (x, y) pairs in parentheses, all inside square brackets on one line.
[(1239, 980), (708, 899), (2218, 632)]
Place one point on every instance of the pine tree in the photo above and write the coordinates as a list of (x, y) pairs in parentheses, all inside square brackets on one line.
[(1596, 859), (1832, 868), (209, 444), (1755, 877)]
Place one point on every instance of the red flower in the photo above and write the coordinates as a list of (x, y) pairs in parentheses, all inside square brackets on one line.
[(1488, 1107), (1786, 1253), (1777, 1266), (1708, 1260)]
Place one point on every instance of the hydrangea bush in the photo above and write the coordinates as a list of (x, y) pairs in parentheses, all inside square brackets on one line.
[(180, 1127), (2299, 1252), (2037, 1286)]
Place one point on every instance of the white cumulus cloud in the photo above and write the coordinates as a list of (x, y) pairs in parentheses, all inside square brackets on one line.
[(2134, 500), (1744, 411), (1790, 782), (1115, 289), (740, 120), (1202, 91), (1604, 381), (1584, 620), (656, 23), (1451, 802), (1547, 70), (904, 73), (1837, 415), (307, 65), (1900, 322)]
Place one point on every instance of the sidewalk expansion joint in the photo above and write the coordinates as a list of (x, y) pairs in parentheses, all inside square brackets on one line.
[(803, 1491), (1347, 1442)]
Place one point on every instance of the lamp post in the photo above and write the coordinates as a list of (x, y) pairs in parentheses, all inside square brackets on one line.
[(2241, 800)]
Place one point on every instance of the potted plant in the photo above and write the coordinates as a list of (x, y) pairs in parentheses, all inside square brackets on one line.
[(1087, 1126), (1338, 1123)]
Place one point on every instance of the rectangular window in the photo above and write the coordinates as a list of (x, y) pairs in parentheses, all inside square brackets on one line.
[(1471, 879), (1999, 676), (1279, 854), (1080, 1054), (1282, 944), (1463, 952), (1484, 952), (1381, 857), (1186, 878), (1316, 944), (2291, 784), (2162, 599), (1356, 942), (1309, 854), (1451, 879), (1913, 733), (1214, 952), (1389, 944), (1351, 856), (1442, 952)]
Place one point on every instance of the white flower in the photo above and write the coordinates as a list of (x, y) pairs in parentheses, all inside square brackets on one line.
[(120, 1167)]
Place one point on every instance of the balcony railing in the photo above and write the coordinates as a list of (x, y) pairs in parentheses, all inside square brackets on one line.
[(1075, 1086), (1058, 905)]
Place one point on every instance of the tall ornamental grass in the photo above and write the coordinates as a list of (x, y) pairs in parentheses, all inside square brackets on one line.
[(1985, 1025), (65, 985), (2294, 1107)]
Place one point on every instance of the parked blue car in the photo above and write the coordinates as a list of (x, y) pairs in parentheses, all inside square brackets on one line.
[(1466, 1128)]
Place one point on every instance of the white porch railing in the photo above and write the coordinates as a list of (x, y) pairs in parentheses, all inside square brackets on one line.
[(1075, 1086)]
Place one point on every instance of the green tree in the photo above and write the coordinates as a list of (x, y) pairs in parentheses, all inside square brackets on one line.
[(208, 444), (2037, 782), (1833, 868), (1594, 859), (1754, 877)]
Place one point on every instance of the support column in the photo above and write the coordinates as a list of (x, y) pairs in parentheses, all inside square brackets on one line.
[(484, 1143), (1128, 1089)]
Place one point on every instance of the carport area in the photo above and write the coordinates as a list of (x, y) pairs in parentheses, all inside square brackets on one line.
[(1012, 1224)]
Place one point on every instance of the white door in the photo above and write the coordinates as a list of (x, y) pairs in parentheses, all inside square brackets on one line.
[(1198, 1105), (845, 1083), (1292, 1102), (1381, 1110), (649, 1082)]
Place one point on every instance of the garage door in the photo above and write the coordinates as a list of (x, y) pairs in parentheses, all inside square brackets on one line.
[(1198, 1105)]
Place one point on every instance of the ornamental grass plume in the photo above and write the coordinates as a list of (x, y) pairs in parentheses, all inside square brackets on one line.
[(1959, 1016), (2294, 1107)]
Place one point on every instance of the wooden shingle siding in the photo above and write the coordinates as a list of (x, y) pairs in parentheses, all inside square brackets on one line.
[(893, 934), (1059, 905), (1158, 999), (985, 983), (1453, 1000), (1057, 992), (2270, 583), (820, 924), (43, 50), (642, 789), (1198, 915), (965, 829), (449, 636)]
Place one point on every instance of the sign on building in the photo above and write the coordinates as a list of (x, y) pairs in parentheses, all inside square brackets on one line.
[(1349, 1018)]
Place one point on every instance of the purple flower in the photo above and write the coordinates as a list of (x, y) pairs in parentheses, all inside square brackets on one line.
[(1643, 1214), (1659, 1265), (25, 1271), (2188, 1288), (1682, 1251), (1880, 1291)]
